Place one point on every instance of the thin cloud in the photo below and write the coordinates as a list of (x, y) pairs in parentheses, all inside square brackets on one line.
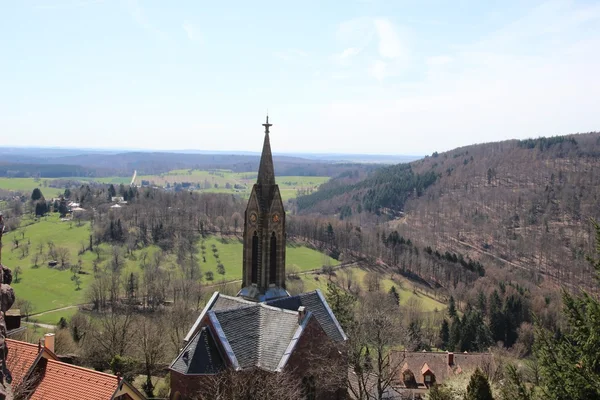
[(139, 16), (192, 31), (390, 45)]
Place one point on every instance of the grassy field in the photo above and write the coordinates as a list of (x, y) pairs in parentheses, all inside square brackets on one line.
[(26, 186), (53, 317), (405, 288), (219, 180), (210, 181), (50, 288)]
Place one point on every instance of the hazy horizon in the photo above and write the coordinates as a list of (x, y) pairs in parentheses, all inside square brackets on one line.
[(366, 77)]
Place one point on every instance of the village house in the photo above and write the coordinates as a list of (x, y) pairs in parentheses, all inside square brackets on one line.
[(37, 373), (420, 370)]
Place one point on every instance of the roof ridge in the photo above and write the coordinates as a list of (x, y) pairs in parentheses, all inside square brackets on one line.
[(236, 298), (285, 310), (22, 343), (92, 371)]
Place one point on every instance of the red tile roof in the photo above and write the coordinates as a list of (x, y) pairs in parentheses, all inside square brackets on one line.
[(65, 381), (21, 356)]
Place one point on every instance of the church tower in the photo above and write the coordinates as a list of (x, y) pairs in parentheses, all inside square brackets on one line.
[(263, 276)]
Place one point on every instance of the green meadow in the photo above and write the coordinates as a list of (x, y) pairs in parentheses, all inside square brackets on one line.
[(217, 181), (406, 289), (26, 186), (210, 181), (49, 288)]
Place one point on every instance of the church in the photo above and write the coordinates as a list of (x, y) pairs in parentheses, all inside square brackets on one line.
[(263, 332)]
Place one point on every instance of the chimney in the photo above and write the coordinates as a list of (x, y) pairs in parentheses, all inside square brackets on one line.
[(49, 341), (450, 358), (301, 314)]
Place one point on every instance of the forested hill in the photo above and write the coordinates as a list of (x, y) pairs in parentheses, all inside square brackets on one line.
[(528, 203), (387, 188)]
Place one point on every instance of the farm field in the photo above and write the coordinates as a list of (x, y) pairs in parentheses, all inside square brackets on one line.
[(225, 181), (26, 186), (49, 288), (209, 181)]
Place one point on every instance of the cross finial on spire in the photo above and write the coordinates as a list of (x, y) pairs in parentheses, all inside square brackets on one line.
[(267, 125)]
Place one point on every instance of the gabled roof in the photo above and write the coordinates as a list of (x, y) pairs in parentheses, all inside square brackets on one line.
[(21, 357), (50, 379), (437, 363), (259, 336), (315, 302), (200, 356), (60, 381), (248, 334), (217, 302)]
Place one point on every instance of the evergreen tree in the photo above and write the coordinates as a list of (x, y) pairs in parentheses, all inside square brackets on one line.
[(482, 303), (496, 317), (570, 363), (395, 295), (479, 387), (512, 310), (451, 308), (41, 207), (444, 334), (455, 332), (342, 305), (111, 191), (36, 194)]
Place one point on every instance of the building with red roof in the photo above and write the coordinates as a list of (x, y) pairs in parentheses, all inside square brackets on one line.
[(38, 374)]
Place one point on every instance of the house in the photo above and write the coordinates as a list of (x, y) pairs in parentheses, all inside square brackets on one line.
[(421, 370), (263, 331), (117, 199), (37, 371)]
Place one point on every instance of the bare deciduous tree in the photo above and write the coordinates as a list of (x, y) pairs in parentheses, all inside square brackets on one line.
[(377, 328)]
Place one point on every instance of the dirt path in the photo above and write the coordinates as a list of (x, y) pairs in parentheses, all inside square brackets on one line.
[(55, 310), (46, 326)]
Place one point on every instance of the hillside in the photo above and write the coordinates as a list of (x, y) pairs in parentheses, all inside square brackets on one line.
[(526, 204)]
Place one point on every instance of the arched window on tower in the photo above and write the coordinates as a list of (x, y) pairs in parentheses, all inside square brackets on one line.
[(273, 259), (254, 277)]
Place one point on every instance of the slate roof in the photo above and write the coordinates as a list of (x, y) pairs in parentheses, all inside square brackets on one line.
[(437, 363), (316, 303), (259, 335), (251, 334), (200, 356), (61, 381), (217, 301)]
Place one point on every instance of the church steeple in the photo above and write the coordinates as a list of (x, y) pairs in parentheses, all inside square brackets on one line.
[(264, 233), (266, 171)]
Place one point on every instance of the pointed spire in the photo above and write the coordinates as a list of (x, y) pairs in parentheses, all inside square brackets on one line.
[(266, 171)]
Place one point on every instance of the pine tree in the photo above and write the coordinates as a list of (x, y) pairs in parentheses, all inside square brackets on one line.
[(342, 305), (570, 363), (479, 387), (496, 318), (455, 332), (444, 334), (36, 194), (451, 308), (482, 303), (394, 294)]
